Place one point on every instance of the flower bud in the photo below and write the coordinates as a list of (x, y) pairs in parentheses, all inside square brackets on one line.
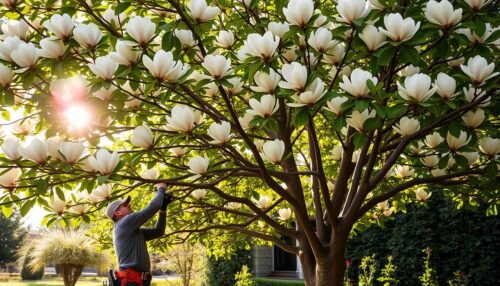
[(264, 202), (126, 53), (6, 75), (285, 213), (422, 195), (372, 37), (321, 40), (433, 140), (334, 104), (278, 29), (273, 151), (335, 55), (177, 151), (403, 171), (337, 153), (489, 146), (430, 161), (225, 39), (57, 205), (87, 35), (10, 148), (357, 119), (455, 143), (233, 206), (199, 194), (185, 37)]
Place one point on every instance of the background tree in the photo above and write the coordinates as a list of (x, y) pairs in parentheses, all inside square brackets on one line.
[(257, 113), (189, 261), (71, 250), (11, 238)]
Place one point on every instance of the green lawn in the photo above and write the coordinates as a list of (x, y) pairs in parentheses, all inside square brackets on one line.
[(59, 282)]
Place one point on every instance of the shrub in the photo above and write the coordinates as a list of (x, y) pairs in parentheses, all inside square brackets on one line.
[(221, 272), (243, 277), (27, 273), (276, 282)]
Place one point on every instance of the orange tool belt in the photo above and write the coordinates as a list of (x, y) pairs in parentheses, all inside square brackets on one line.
[(130, 275)]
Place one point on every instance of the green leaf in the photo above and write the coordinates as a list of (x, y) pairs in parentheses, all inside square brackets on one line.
[(301, 117), (7, 210), (26, 207), (386, 55), (121, 7), (361, 105), (409, 54), (359, 140), (396, 111)]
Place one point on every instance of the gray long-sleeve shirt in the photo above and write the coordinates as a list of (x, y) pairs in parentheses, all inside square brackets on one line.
[(130, 239)]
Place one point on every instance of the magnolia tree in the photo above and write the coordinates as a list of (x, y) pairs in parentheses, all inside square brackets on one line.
[(267, 118)]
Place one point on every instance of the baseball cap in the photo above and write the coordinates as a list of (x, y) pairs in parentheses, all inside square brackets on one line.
[(113, 206)]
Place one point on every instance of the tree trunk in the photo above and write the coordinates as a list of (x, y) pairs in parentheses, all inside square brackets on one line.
[(70, 273)]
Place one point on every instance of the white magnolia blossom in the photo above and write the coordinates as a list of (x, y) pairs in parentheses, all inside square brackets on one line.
[(356, 85), (141, 29), (334, 104), (474, 38), (102, 192), (6, 75), (489, 146), (372, 37), (273, 151), (404, 171), (264, 202), (225, 39), (150, 174), (408, 71), (22, 127), (126, 53), (335, 55), (310, 96), (245, 120), (57, 205), (337, 153), (417, 88), (321, 40), (87, 35), (198, 165), (164, 67), (236, 86), (259, 144), (218, 66), (182, 119), (61, 26), (10, 147), (201, 12), (472, 157), (104, 67), (446, 86), (9, 179), (199, 194), (71, 151), (417, 148), (299, 12), (433, 140), (289, 55), (185, 37), (110, 16), (399, 29), (36, 151), (476, 5), (233, 206), (7, 46), (266, 82), (407, 126), (473, 93), (52, 48), (15, 28), (442, 13), (455, 143), (294, 77), (53, 145), (357, 119), (351, 10), (278, 29), (438, 172), (430, 161), (422, 195), (266, 107), (262, 46), (105, 93), (79, 209), (177, 151), (104, 161), (220, 132), (479, 70), (284, 214), (473, 119), (142, 137), (25, 55)]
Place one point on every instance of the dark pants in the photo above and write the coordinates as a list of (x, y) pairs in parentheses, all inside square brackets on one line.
[(118, 282)]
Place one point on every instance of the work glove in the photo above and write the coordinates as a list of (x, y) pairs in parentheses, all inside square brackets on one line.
[(167, 199)]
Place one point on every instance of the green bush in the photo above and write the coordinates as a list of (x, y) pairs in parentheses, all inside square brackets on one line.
[(461, 240), (221, 272), (276, 282), (27, 273)]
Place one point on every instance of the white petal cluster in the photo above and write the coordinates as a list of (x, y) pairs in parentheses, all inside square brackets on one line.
[(404, 171), (310, 96), (264, 202), (220, 132), (185, 37), (10, 148), (273, 151), (142, 137), (422, 194), (417, 88), (284, 214), (266, 82), (126, 53), (178, 151), (473, 119), (299, 12), (87, 35), (15, 28), (334, 104), (407, 126), (61, 26), (218, 66), (357, 86), (141, 29), (446, 86), (71, 151), (198, 165), (181, 119), (479, 70), (150, 174), (433, 140), (294, 77), (36, 151), (6, 75), (372, 37), (278, 29), (225, 39), (476, 5), (57, 205), (489, 146), (399, 29), (164, 67), (25, 55), (7, 46), (104, 67), (357, 119), (262, 46), (201, 12), (101, 193), (351, 10), (442, 13), (104, 161), (52, 48), (199, 194), (430, 161), (266, 107), (9, 179), (321, 40), (455, 143)]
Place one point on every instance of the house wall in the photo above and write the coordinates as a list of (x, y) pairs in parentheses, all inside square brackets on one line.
[(262, 260)]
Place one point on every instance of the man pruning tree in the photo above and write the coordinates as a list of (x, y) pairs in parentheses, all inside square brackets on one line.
[(129, 238)]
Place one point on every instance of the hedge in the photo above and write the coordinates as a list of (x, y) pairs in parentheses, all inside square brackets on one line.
[(221, 272), (276, 282)]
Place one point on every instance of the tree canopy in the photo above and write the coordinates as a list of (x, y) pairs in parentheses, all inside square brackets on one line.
[(256, 113)]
